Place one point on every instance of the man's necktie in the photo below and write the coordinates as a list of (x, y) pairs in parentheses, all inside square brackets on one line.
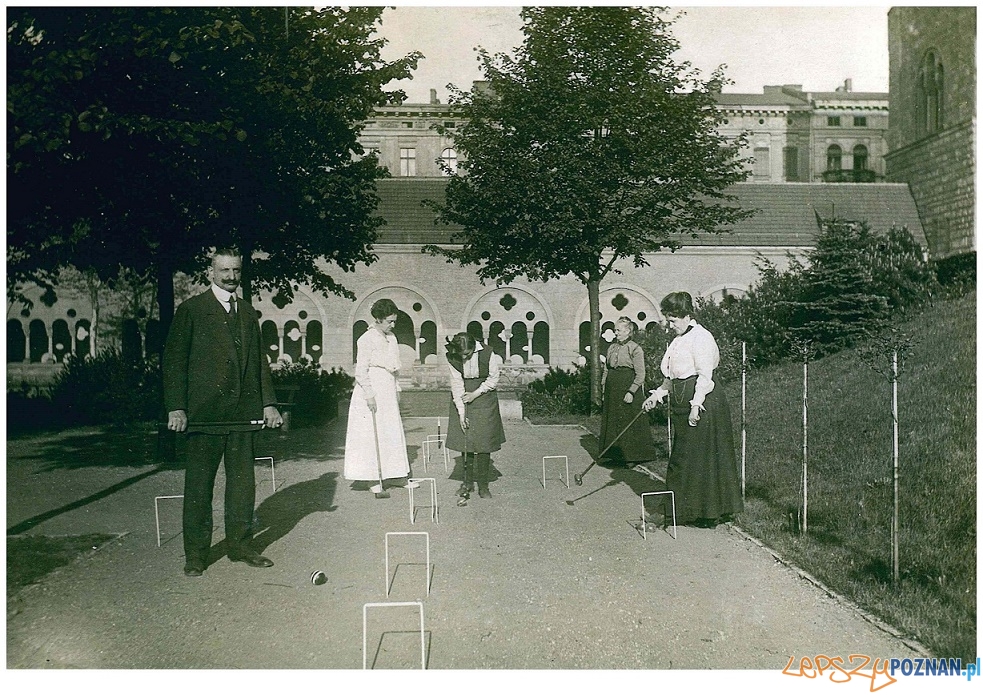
[(232, 307)]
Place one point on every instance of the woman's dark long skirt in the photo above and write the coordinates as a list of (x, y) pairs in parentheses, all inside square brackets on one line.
[(635, 444), (486, 432), (703, 472)]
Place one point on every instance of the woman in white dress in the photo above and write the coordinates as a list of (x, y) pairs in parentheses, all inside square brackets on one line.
[(375, 444)]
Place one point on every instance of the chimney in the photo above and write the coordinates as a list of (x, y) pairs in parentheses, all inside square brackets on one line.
[(848, 85), (433, 97)]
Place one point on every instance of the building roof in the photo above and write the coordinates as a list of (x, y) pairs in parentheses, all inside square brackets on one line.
[(785, 212)]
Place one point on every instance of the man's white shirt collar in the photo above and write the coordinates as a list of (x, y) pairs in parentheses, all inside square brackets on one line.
[(222, 295)]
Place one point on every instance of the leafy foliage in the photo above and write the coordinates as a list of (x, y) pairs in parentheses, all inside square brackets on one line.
[(317, 394), (107, 389), (847, 289), (589, 147), (167, 131), (559, 391)]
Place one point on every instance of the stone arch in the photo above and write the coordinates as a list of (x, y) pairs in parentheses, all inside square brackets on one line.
[(615, 302), (417, 322), (717, 293), (296, 318), (508, 317)]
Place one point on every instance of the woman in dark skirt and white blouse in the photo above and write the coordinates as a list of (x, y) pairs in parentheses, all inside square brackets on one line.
[(702, 473), (475, 423)]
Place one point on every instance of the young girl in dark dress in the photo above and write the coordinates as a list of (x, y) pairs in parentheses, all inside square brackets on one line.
[(475, 423)]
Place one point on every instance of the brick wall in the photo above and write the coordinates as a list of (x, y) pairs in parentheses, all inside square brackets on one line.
[(939, 167), (940, 170)]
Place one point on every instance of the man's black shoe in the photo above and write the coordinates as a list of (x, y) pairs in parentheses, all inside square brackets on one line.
[(193, 568), (252, 559)]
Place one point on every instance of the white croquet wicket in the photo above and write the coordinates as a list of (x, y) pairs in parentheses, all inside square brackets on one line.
[(157, 510), (566, 464), (272, 468), (434, 516), (672, 502), (395, 604), (432, 441), (408, 533)]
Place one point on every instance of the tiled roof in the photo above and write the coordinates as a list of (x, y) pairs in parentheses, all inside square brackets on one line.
[(785, 212)]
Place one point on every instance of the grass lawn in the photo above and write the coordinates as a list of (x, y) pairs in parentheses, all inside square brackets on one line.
[(29, 558), (850, 476)]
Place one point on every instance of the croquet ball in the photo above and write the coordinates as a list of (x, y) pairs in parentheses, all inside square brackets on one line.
[(318, 578)]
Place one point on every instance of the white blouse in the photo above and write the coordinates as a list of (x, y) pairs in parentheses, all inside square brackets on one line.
[(375, 350), (471, 371), (694, 352)]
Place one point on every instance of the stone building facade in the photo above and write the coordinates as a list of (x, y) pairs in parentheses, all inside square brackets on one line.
[(792, 135), (933, 120), (534, 325)]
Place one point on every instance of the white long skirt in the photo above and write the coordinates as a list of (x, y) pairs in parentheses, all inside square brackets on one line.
[(363, 450)]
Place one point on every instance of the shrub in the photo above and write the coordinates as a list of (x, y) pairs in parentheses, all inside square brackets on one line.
[(107, 389), (559, 392), (849, 287), (315, 400)]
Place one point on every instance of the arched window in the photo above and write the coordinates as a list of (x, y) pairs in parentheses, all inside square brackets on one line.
[(930, 84), (519, 342), (541, 341), (16, 341), (834, 158), (357, 330), (61, 340), (271, 341), (428, 335), (292, 340), (859, 158), (315, 341), (38, 333), (495, 341), (448, 162)]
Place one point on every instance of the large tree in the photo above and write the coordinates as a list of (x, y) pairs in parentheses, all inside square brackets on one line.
[(589, 146), (140, 137)]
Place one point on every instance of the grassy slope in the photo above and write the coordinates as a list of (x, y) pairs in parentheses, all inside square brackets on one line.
[(848, 545)]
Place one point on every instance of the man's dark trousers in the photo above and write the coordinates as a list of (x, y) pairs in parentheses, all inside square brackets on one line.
[(205, 452)]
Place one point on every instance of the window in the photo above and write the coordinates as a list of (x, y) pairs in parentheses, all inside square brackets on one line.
[(833, 121), (407, 161), (407, 124), (450, 124), (859, 158), (448, 162), (791, 155), (834, 158), (929, 89), (762, 163), (860, 121)]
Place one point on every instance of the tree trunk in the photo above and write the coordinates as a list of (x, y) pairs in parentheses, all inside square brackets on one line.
[(245, 280), (593, 299), (165, 299)]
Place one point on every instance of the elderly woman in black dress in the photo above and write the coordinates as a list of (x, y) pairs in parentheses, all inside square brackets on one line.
[(622, 380), (703, 472)]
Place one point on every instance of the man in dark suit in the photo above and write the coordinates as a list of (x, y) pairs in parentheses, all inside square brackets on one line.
[(215, 372)]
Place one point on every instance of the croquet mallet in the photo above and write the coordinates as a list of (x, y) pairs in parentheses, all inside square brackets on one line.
[(579, 477)]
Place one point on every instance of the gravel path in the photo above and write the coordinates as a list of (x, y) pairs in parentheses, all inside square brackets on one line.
[(521, 581)]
